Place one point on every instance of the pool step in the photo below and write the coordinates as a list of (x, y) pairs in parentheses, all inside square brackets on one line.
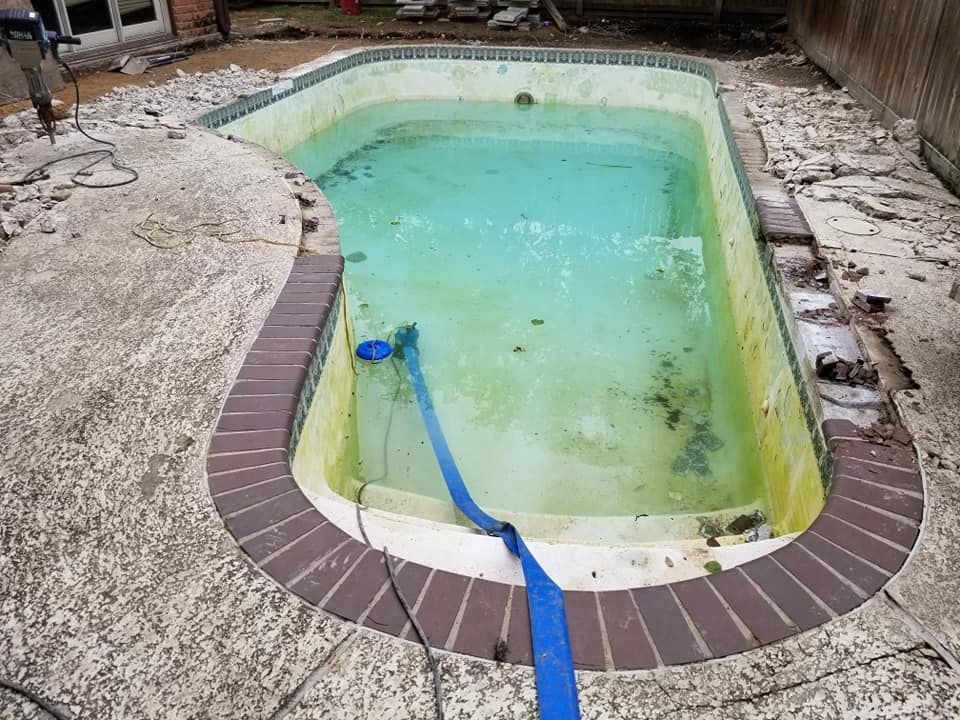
[(587, 530)]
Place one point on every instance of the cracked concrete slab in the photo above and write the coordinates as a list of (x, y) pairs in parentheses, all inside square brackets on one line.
[(918, 335), (844, 664), (120, 594)]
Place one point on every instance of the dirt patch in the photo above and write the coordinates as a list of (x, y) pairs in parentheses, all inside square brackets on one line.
[(379, 23), (254, 55), (277, 37), (801, 271)]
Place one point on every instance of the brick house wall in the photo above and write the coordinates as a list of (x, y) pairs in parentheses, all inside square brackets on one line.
[(191, 18)]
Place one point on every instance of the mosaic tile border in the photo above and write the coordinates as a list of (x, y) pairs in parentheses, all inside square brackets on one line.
[(768, 267), (236, 110), (859, 541)]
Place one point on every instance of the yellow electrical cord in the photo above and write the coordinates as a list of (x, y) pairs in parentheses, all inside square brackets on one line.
[(158, 234)]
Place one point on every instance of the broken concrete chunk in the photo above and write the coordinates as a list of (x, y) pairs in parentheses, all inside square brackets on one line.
[(153, 110), (47, 226), (740, 524), (764, 532), (9, 228), (873, 207), (867, 164), (874, 297), (26, 192), (826, 364), (813, 175), (905, 132), (919, 277), (61, 111), (177, 134)]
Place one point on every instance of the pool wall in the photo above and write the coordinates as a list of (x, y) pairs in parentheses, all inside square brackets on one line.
[(318, 444), (793, 456)]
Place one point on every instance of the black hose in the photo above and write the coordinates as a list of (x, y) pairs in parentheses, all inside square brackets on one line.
[(32, 697), (108, 152)]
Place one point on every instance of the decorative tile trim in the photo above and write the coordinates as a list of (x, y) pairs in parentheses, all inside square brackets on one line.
[(317, 364), (768, 267), (234, 111)]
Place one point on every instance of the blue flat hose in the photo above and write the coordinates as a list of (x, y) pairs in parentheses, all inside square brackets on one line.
[(552, 659)]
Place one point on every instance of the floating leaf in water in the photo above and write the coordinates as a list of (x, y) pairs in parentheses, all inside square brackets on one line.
[(395, 222), (536, 321), (712, 566), (355, 257), (519, 348), (364, 306)]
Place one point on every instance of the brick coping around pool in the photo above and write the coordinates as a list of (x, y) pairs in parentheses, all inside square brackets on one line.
[(860, 540)]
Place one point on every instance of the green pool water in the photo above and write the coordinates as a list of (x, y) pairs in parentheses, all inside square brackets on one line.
[(564, 269)]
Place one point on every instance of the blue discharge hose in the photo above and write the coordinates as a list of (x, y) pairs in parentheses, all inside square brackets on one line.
[(552, 659)]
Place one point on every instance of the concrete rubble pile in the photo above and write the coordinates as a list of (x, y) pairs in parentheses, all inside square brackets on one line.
[(166, 107), (825, 145)]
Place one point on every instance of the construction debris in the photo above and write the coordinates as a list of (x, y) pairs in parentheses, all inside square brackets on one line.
[(469, 10), (516, 15), (871, 301), (858, 372), (420, 9), (131, 65)]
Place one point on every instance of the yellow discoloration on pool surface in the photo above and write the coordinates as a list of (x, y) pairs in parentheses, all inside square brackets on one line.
[(788, 459), (322, 450), (787, 455)]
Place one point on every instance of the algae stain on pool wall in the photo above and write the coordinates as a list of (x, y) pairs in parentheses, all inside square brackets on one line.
[(504, 397), (600, 241)]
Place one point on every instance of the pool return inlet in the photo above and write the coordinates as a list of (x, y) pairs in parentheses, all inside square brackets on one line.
[(552, 658)]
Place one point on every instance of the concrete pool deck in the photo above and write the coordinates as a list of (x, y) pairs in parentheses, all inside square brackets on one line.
[(121, 593)]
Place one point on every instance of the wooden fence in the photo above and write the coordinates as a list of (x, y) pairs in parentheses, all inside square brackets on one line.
[(900, 57)]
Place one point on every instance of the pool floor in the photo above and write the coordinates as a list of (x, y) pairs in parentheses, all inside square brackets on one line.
[(563, 267)]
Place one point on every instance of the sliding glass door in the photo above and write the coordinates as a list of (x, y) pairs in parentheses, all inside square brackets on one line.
[(103, 22)]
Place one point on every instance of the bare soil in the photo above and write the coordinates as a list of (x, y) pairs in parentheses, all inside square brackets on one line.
[(277, 37)]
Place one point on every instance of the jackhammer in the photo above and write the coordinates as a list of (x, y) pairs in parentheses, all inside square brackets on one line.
[(27, 41)]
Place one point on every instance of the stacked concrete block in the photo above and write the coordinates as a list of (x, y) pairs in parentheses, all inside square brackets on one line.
[(420, 9), (515, 15)]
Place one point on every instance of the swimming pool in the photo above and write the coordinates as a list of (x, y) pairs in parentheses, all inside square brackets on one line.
[(600, 335), (289, 438), (564, 269)]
